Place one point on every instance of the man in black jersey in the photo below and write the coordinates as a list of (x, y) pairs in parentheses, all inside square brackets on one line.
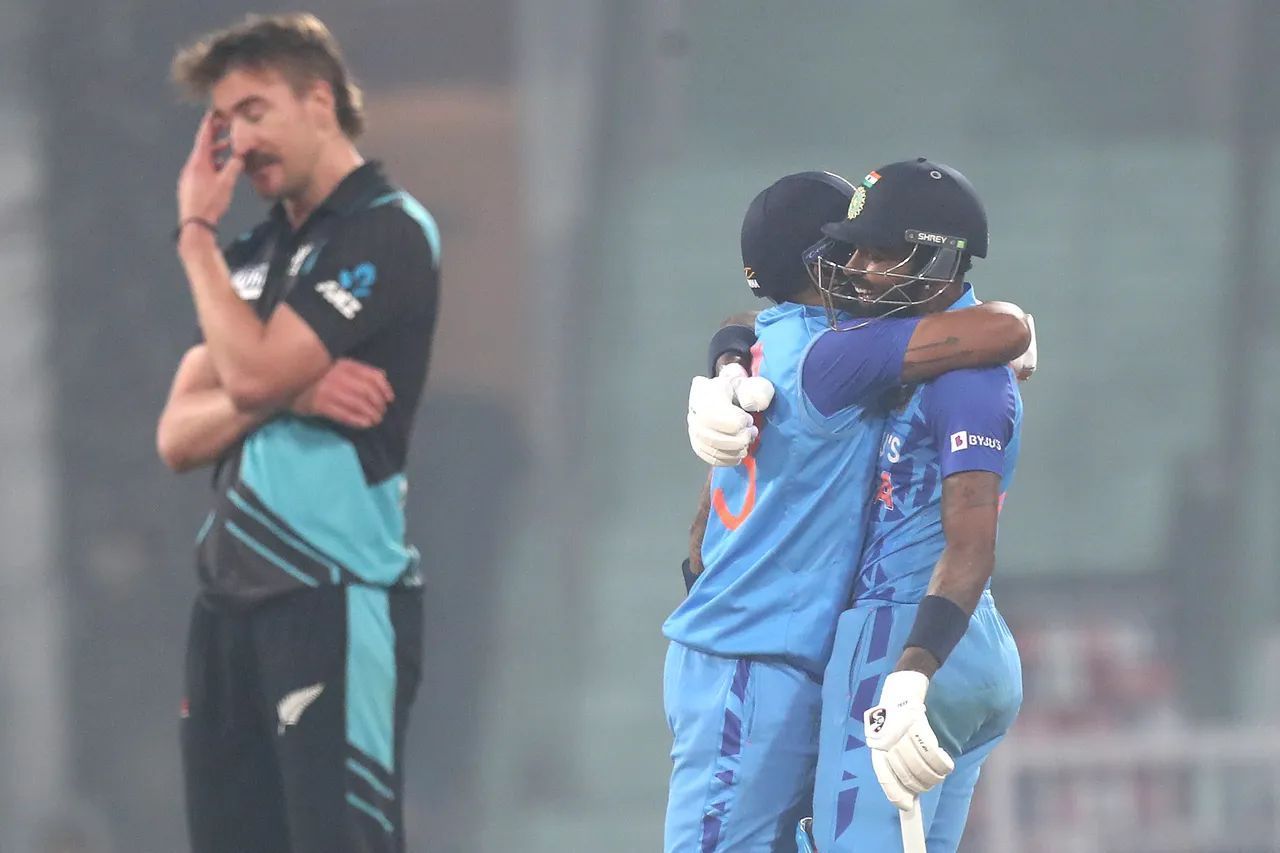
[(316, 328)]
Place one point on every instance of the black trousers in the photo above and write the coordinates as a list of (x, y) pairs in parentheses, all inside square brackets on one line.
[(294, 720)]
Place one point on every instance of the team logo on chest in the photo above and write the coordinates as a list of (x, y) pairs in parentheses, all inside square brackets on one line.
[(249, 281), (299, 258)]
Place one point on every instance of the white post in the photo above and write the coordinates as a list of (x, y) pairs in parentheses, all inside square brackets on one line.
[(33, 691)]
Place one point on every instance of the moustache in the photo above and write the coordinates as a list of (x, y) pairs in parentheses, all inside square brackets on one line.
[(254, 161)]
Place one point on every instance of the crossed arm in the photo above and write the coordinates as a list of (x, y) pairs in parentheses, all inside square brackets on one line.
[(250, 370), (261, 365), (201, 419)]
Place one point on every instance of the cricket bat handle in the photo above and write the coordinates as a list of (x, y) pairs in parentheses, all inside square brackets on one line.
[(912, 829)]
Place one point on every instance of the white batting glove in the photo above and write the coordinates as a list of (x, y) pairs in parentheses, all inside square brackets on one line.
[(1025, 364), (751, 393), (904, 750), (719, 431)]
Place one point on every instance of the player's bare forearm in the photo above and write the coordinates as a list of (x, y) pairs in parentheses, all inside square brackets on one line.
[(261, 365), (200, 420), (232, 331), (198, 427), (986, 335), (698, 530), (970, 513)]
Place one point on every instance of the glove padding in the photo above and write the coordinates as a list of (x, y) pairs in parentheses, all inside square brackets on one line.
[(751, 393), (721, 428), (904, 750)]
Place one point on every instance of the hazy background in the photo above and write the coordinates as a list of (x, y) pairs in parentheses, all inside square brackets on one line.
[(589, 162)]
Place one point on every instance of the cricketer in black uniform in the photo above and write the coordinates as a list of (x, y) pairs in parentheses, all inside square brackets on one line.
[(305, 641)]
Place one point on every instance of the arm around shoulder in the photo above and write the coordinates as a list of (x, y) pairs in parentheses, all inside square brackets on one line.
[(989, 334)]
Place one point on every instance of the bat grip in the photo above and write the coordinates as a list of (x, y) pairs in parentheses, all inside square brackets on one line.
[(912, 829)]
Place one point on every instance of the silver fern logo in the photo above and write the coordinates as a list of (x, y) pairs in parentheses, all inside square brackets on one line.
[(249, 281), (289, 709)]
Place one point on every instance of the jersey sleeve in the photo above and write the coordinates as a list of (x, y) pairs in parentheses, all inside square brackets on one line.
[(847, 367), (377, 269), (972, 413)]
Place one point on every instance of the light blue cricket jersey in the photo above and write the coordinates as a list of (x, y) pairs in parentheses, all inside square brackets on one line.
[(786, 526)]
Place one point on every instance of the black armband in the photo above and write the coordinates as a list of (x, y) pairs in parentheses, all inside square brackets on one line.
[(211, 227), (940, 623), (689, 576), (730, 340)]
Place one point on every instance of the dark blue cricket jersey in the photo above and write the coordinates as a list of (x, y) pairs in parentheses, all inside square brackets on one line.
[(965, 420)]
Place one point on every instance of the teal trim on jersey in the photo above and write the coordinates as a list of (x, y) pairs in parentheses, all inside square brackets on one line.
[(309, 264), (204, 528), (364, 774), (270, 556), (418, 214), (372, 812), (371, 674), (335, 573), (311, 479)]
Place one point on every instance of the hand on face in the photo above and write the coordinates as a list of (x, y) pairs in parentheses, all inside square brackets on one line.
[(205, 185)]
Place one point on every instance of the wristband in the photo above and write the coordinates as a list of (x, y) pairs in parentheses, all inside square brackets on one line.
[(194, 220), (939, 625), (730, 340)]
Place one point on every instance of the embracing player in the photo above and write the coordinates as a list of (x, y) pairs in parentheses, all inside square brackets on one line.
[(784, 532), (923, 629)]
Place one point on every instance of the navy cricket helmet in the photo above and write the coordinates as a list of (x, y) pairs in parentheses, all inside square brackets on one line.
[(782, 222), (927, 209)]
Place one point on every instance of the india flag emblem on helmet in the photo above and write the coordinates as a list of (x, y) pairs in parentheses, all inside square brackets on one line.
[(857, 202)]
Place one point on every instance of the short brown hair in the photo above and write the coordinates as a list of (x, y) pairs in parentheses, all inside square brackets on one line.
[(297, 45)]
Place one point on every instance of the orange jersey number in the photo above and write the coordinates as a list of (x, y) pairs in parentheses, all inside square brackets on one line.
[(732, 520), (885, 493)]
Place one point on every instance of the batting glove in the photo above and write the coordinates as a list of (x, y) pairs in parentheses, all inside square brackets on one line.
[(719, 431), (904, 750), (751, 393)]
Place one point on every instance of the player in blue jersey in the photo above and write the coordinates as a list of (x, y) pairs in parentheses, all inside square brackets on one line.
[(784, 527), (923, 630)]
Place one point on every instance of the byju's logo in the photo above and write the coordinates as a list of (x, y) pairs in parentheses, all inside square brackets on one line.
[(963, 440)]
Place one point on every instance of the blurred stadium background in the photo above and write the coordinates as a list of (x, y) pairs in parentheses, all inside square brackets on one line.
[(589, 162)]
